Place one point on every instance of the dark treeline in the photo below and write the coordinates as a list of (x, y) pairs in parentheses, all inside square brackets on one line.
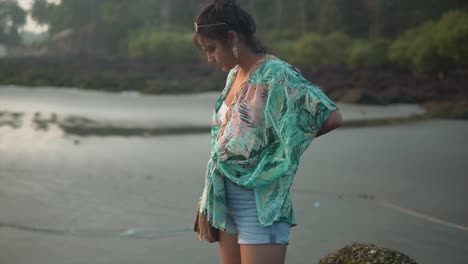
[(369, 32), (114, 19)]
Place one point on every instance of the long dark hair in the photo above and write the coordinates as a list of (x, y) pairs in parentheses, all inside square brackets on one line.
[(223, 16)]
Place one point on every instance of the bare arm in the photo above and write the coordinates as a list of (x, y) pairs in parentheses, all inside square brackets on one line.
[(334, 121)]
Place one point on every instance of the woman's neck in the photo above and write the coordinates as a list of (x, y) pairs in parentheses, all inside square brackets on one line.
[(248, 60)]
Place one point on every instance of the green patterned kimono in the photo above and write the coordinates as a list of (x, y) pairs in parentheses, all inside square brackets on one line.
[(276, 117)]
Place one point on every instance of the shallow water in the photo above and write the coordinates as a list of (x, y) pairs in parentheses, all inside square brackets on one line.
[(79, 112)]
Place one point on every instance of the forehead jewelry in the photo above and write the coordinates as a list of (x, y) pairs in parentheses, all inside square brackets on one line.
[(207, 25)]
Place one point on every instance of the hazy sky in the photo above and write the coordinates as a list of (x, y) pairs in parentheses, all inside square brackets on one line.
[(31, 25)]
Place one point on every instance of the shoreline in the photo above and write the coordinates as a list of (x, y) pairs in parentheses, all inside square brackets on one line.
[(92, 113), (83, 126), (359, 86), (74, 127), (441, 93)]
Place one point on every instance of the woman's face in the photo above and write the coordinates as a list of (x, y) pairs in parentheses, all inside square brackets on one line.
[(217, 53)]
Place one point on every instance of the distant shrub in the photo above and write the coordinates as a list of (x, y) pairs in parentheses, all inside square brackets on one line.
[(163, 46), (283, 49), (308, 50), (415, 49), (433, 45), (338, 46), (398, 50), (451, 37), (314, 50), (368, 54)]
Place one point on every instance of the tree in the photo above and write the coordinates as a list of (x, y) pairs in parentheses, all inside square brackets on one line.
[(329, 18), (108, 25), (98, 27), (304, 16), (278, 13), (165, 12), (252, 10), (12, 18), (374, 9)]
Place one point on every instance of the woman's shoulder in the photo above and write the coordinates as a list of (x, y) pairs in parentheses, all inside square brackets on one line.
[(274, 63), (276, 68)]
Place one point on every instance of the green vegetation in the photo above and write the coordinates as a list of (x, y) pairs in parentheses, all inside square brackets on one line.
[(433, 46), (417, 35), (368, 54), (154, 44), (315, 50), (451, 36)]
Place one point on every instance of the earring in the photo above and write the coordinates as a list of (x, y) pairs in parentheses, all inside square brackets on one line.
[(235, 51)]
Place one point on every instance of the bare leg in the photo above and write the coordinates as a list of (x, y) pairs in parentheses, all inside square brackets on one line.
[(230, 250), (263, 254)]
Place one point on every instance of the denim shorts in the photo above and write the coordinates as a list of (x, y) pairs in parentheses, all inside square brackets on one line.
[(242, 219)]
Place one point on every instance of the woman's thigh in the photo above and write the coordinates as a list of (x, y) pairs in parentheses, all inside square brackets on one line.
[(263, 254), (230, 250)]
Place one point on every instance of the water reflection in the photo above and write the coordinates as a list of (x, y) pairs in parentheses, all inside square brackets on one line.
[(86, 113), (19, 129), (12, 119), (74, 125)]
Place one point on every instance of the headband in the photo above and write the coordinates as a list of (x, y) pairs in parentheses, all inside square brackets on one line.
[(207, 25)]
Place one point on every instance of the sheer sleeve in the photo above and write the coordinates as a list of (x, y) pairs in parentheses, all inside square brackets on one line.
[(296, 110)]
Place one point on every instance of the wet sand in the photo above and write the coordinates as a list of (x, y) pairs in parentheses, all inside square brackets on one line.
[(124, 197), (132, 199)]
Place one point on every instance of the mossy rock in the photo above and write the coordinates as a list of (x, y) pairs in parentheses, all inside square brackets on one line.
[(366, 254), (456, 109)]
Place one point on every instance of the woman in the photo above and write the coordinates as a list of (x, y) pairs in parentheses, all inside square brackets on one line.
[(266, 117)]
